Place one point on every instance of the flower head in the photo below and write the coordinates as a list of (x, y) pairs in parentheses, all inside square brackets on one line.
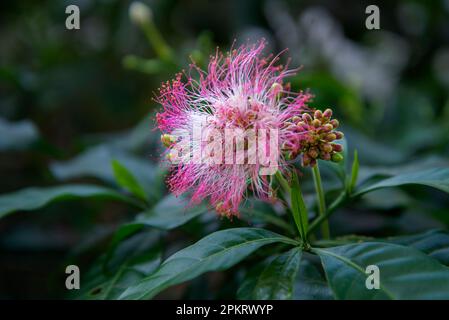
[(225, 128)]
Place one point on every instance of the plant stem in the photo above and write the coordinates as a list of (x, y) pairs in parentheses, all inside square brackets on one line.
[(321, 201), (283, 182), (334, 205)]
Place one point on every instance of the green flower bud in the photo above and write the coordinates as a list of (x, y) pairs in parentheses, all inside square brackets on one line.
[(167, 140), (337, 157)]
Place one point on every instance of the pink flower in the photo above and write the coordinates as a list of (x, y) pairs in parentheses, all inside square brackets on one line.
[(241, 92)]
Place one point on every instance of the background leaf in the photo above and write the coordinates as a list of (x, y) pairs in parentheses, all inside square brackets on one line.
[(35, 198), (126, 180)]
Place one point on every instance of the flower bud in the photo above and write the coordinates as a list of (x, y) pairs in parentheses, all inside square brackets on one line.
[(140, 13), (327, 127), (326, 147), (313, 153), (339, 135), (337, 147), (337, 157), (167, 140), (334, 123), (306, 159), (327, 113), (316, 123), (325, 156), (170, 156), (330, 137), (307, 118), (318, 114)]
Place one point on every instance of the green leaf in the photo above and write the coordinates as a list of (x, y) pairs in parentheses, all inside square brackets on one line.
[(170, 212), (405, 273), (127, 181), (275, 281), (310, 284), (354, 172), (94, 162), (218, 251), (436, 177), (35, 198), (299, 209), (434, 243)]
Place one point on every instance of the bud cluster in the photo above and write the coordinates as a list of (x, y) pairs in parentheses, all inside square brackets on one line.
[(314, 138)]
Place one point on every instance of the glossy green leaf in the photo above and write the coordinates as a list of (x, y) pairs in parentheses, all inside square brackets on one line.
[(434, 243), (405, 273), (298, 207), (218, 251), (127, 180), (35, 198), (276, 280), (436, 177), (354, 172), (310, 283)]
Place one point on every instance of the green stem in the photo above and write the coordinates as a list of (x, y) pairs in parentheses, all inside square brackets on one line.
[(283, 182), (334, 205), (321, 201), (157, 41)]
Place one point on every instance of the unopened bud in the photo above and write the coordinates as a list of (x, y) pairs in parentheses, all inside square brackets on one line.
[(339, 135), (326, 147), (335, 123), (170, 156), (318, 114), (327, 127), (325, 156), (316, 123), (331, 137), (306, 160), (313, 153), (307, 118), (140, 13), (327, 113), (167, 140), (337, 147), (337, 157)]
